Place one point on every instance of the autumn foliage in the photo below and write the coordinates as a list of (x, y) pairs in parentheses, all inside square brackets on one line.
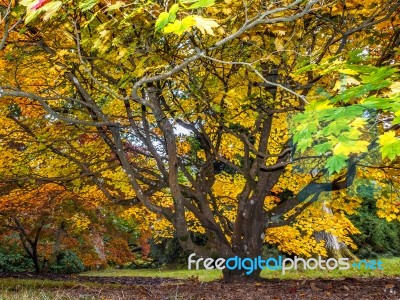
[(246, 124)]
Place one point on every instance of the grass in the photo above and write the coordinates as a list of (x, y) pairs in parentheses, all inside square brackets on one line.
[(391, 267), (45, 289), (202, 275), (28, 294), (35, 289)]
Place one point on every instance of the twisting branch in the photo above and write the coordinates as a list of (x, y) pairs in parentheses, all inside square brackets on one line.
[(51, 111), (258, 20)]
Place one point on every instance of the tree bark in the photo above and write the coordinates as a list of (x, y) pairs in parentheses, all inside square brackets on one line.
[(334, 248)]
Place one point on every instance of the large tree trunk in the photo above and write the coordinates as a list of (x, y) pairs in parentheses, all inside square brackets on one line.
[(240, 275), (248, 238), (334, 247)]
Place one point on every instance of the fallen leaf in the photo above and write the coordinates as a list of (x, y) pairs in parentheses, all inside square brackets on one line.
[(314, 287), (389, 285)]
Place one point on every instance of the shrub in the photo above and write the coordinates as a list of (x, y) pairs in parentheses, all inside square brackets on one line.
[(118, 252), (378, 237), (67, 263), (167, 251), (12, 260)]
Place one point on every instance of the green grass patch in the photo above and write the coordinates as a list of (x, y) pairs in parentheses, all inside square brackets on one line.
[(202, 275), (391, 267)]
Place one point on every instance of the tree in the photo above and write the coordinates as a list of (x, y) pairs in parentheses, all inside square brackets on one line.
[(185, 94)]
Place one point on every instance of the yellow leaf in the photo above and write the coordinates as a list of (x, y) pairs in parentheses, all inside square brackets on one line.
[(179, 27), (395, 87), (50, 9), (387, 138), (279, 44), (205, 24), (358, 123), (351, 147), (351, 80), (337, 86), (347, 71)]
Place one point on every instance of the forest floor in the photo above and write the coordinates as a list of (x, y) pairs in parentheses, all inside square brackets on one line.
[(58, 287)]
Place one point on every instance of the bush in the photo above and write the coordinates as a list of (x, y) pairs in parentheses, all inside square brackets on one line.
[(269, 250), (378, 237), (67, 263), (12, 260), (167, 251)]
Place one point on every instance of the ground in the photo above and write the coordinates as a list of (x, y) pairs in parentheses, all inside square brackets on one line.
[(174, 283), (56, 287)]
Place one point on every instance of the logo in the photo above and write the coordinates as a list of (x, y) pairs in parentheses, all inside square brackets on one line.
[(279, 263)]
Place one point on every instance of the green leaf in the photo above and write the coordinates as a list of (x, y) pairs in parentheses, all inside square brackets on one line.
[(323, 148), (323, 92), (217, 107), (397, 119), (357, 55), (335, 128), (303, 144), (87, 5), (32, 15), (172, 11), (305, 69), (202, 4), (305, 130), (162, 21), (381, 103), (167, 17), (336, 163), (358, 91), (390, 145), (378, 75), (362, 68)]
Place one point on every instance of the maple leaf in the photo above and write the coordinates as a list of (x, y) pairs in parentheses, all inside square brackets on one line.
[(336, 163), (350, 146), (179, 27), (205, 24), (390, 145)]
